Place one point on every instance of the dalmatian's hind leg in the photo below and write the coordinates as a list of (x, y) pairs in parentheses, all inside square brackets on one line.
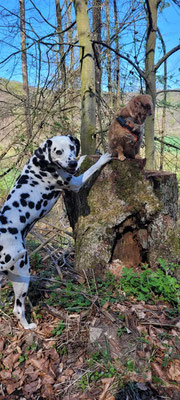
[(20, 278)]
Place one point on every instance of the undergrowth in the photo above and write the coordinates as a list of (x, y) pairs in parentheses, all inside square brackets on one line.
[(149, 285)]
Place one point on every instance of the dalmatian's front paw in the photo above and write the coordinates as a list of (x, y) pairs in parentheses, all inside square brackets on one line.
[(30, 326), (105, 158)]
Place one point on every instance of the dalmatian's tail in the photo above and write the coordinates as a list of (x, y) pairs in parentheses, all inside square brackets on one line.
[(12, 262)]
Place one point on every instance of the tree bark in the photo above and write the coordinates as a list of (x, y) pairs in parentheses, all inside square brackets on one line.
[(61, 45), (126, 214), (117, 57), (108, 56), (151, 12), (164, 105), (88, 100), (24, 68)]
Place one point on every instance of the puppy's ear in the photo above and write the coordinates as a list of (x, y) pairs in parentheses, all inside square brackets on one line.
[(76, 142)]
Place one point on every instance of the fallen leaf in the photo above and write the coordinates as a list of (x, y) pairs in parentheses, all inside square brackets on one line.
[(10, 360), (5, 374), (174, 371), (11, 387), (47, 392), (31, 387), (1, 344)]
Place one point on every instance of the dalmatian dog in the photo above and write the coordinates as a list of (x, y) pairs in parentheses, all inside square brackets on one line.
[(50, 170)]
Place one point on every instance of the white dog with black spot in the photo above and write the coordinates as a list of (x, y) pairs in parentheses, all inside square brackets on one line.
[(50, 170)]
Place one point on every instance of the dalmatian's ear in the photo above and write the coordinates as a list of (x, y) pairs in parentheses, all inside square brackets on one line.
[(76, 142), (43, 153)]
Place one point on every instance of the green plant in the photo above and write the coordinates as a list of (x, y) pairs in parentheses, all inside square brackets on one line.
[(122, 330), (130, 365), (150, 284), (36, 260), (59, 329), (23, 358)]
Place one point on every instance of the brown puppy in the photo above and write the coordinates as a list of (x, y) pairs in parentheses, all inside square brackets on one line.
[(126, 131)]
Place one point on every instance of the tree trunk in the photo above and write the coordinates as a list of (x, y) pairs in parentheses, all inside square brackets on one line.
[(97, 37), (117, 57), (108, 55), (124, 214), (164, 103), (24, 68), (151, 11), (61, 45), (88, 100)]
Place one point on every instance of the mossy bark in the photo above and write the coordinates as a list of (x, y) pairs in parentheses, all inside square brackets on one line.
[(124, 213), (88, 100), (151, 13)]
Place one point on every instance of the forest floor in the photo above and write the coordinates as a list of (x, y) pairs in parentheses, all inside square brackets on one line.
[(92, 342)]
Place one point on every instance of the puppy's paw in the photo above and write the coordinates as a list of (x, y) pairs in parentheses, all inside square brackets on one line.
[(121, 157)]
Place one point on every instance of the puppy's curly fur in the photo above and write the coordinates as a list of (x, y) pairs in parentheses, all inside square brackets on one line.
[(126, 131)]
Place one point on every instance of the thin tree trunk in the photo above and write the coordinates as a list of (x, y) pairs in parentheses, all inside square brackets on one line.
[(88, 100), (70, 38), (151, 11), (117, 57), (24, 68), (98, 72), (164, 104), (97, 37), (61, 45), (108, 55)]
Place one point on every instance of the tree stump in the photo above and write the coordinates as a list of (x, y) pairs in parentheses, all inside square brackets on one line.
[(124, 213)]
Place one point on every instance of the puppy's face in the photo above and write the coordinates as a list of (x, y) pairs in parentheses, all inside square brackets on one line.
[(61, 151), (141, 107)]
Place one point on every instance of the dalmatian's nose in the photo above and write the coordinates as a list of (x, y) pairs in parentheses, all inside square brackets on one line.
[(72, 164)]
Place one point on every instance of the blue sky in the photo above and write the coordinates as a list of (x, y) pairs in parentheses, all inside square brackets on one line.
[(168, 23)]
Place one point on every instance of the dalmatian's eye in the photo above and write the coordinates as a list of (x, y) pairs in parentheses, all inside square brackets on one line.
[(59, 152), (72, 147)]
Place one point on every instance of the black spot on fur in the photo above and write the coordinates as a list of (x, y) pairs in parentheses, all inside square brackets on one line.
[(8, 198), (3, 230), (13, 231), (26, 258), (22, 219), (23, 202), (31, 204), (6, 208), (24, 195), (27, 215), (43, 173), (18, 302), (7, 258), (15, 204), (24, 294), (38, 205), (12, 268), (21, 264), (35, 161), (3, 220), (23, 180), (51, 169), (1, 248)]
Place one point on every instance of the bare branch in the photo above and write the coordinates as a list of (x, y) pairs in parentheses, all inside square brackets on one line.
[(168, 54), (139, 70)]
